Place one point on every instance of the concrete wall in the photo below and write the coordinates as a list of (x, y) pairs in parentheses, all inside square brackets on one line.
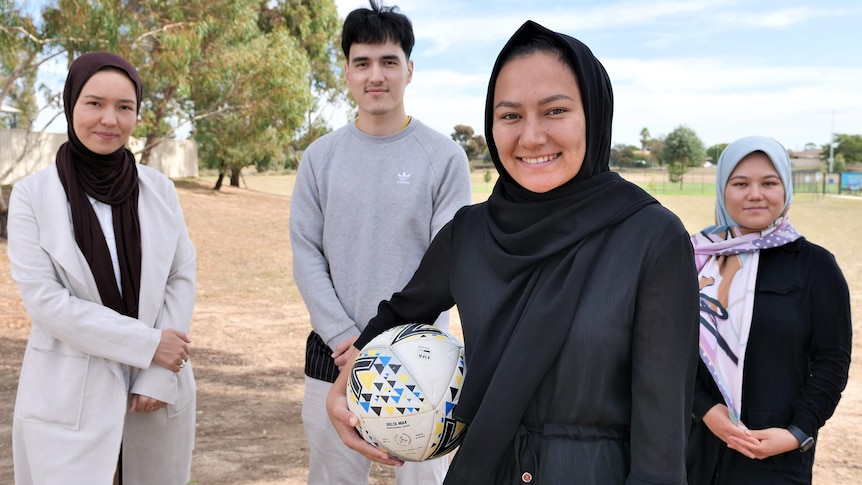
[(174, 158), (23, 152)]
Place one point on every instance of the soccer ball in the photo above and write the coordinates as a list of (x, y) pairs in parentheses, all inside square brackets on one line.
[(403, 388)]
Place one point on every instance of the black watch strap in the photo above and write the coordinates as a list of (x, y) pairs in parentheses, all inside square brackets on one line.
[(805, 441)]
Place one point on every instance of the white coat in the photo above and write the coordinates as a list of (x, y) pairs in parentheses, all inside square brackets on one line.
[(71, 409)]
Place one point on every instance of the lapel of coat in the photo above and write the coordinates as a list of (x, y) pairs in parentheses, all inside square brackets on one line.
[(57, 238), (159, 235)]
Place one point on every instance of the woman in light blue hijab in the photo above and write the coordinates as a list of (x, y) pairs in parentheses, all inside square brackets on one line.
[(775, 329), (734, 153)]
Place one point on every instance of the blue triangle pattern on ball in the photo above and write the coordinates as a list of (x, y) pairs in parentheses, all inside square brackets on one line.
[(392, 405)]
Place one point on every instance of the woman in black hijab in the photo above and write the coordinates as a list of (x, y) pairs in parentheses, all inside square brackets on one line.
[(99, 249), (575, 288)]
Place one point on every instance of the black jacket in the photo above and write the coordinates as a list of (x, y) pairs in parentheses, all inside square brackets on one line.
[(796, 367), (614, 407)]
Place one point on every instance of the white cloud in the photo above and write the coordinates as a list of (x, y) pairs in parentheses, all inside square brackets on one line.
[(722, 101), (719, 67)]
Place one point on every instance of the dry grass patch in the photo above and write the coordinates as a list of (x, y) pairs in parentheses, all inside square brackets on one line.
[(250, 326)]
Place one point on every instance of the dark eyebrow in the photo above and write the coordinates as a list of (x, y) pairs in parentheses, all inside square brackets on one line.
[(507, 104), (555, 97), (543, 101), (97, 97), (740, 176), (388, 57)]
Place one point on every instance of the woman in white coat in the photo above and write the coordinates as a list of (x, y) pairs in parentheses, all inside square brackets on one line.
[(99, 249)]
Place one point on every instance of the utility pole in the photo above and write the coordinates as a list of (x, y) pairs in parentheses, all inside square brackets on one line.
[(832, 141)]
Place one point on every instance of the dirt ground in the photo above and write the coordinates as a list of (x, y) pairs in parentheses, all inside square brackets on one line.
[(250, 326)]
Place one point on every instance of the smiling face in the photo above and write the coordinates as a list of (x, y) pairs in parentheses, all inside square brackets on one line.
[(377, 75), (539, 125), (106, 112), (754, 195)]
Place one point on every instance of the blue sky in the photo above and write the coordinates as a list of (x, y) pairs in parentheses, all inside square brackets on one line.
[(726, 69)]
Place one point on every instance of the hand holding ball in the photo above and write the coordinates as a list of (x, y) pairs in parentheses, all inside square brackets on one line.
[(403, 388)]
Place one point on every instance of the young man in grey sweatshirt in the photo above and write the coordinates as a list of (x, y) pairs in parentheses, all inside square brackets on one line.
[(368, 199)]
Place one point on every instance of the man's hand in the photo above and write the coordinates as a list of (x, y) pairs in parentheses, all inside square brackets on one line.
[(344, 352)]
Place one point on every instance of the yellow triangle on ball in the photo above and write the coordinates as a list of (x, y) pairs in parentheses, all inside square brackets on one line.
[(366, 378)]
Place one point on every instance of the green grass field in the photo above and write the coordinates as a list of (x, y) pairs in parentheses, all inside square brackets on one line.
[(698, 181)]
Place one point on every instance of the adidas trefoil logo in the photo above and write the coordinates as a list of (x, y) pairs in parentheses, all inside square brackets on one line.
[(403, 178)]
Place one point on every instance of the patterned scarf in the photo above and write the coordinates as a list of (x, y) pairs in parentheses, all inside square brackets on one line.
[(727, 264)]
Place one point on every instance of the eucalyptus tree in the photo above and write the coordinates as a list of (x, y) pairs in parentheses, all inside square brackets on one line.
[(23, 49), (230, 72), (682, 149), (254, 87), (19, 57), (167, 42), (163, 40), (317, 28), (474, 145)]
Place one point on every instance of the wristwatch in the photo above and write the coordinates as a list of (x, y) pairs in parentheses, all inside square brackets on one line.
[(805, 441)]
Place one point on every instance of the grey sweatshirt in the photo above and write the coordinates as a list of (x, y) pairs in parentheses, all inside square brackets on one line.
[(362, 213)]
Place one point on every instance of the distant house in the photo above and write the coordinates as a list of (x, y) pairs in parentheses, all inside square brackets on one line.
[(805, 159)]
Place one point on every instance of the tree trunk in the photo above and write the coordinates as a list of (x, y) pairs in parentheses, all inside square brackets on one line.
[(154, 135), (219, 181), (4, 213), (149, 143), (234, 177)]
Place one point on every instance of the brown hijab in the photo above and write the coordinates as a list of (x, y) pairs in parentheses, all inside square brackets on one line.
[(111, 179)]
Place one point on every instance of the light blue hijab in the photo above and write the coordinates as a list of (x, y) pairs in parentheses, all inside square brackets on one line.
[(730, 158)]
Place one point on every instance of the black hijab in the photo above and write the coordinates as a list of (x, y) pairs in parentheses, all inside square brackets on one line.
[(111, 179), (544, 245)]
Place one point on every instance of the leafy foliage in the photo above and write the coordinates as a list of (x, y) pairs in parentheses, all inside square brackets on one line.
[(474, 145), (19, 64), (645, 138), (656, 148), (623, 155), (847, 149), (260, 109), (715, 151), (250, 78), (682, 149), (317, 28)]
